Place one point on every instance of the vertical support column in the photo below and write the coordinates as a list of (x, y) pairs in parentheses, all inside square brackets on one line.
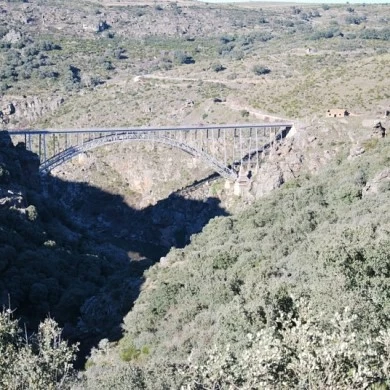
[(40, 146), (44, 148), (241, 156), (250, 149), (257, 151), (234, 145), (212, 141), (224, 146), (54, 144), (29, 142)]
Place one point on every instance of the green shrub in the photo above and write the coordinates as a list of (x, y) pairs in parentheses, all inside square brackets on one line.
[(260, 70), (182, 58), (42, 361), (32, 213), (217, 67), (380, 34)]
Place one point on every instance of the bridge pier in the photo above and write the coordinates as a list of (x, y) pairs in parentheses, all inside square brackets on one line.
[(243, 182)]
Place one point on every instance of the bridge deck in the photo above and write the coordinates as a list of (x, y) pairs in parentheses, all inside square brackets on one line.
[(150, 129)]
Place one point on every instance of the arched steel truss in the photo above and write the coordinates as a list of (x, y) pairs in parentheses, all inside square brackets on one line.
[(73, 151), (238, 144)]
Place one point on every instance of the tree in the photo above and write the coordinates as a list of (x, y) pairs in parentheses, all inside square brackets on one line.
[(42, 361)]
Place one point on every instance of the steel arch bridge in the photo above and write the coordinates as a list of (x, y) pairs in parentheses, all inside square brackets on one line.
[(222, 147)]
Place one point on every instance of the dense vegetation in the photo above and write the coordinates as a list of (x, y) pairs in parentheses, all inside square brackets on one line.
[(291, 293), (51, 265)]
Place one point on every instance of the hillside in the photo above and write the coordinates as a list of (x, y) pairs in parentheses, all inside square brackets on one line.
[(277, 271)]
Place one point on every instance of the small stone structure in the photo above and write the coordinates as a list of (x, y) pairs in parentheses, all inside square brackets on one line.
[(337, 113)]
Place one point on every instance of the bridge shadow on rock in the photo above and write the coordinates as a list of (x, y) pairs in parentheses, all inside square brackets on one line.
[(114, 245)]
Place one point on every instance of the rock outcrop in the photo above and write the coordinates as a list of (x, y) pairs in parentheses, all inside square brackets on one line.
[(29, 109), (378, 183)]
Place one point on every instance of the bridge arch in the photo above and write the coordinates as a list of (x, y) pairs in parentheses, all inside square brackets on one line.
[(113, 138)]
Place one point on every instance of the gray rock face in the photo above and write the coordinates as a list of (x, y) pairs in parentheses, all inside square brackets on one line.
[(378, 130), (12, 36), (11, 198), (356, 151), (271, 178), (380, 180), (28, 109)]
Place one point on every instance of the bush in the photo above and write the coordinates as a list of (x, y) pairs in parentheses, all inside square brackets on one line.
[(225, 49), (299, 353), (108, 65), (181, 58), (217, 67), (32, 213), (355, 19), (244, 113), (381, 34), (72, 78), (139, 12), (42, 361), (329, 33), (119, 53), (260, 70), (49, 45), (3, 86), (227, 39)]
